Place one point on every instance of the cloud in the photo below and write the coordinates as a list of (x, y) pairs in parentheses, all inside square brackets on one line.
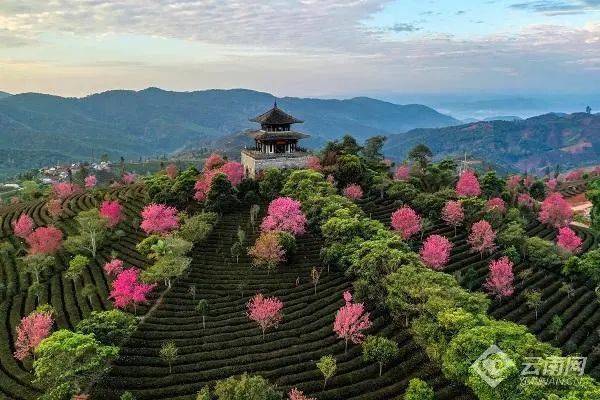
[(404, 27), (12, 39), (559, 7)]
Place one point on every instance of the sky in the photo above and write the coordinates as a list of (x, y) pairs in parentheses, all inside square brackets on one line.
[(308, 48)]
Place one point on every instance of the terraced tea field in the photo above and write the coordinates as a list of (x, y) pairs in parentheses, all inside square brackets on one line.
[(579, 311), (231, 344)]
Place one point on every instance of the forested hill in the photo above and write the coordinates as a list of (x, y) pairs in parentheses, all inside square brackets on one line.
[(38, 129), (570, 140), (4, 94)]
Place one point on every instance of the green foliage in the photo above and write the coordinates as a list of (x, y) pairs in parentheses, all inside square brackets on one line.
[(593, 194), (76, 266), (66, 362), (197, 227), (430, 204), (30, 190), (403, 191), (586, 266), (35, 264), (165, 269), (419, 390), (145, 246), (420, 154), (319, 209), (303, 184), (379, 349), (246, 387), (169, 353), (222, 196), (538, 190), (204, 394), (542, 253), (128, 396), (271, 184), (109, 327), (473, 208), (177, 192), (492, 185), (513, 234), (92, 233), (372, 151), (288, 243), (350, 170), (327, 365)]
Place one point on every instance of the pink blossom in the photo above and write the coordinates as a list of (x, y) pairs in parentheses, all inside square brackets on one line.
[(528, 181), (525, 200), (296, 394), (90, 181), (213, 161), (234, 172), (552, 184), (568, 240), (285, 214), (574, 175), (555, 211), (128, 290), (112, 212), (350, 321), (467, 184), (203, 184), (171, 171), (23, 226), (159, 218), (453, 213), (44, 240), (496, 205), (435, 252), (500, 278), (114, 267), (267, 251), (55, 208), (482, 237), (314, 163), (353, 192), (513, 182), (31, 331), (402, 173), (265, 311), (129, 178), (62, 190), (406, 221)]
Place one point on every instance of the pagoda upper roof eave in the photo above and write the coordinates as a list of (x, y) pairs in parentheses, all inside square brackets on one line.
[(273, 135)]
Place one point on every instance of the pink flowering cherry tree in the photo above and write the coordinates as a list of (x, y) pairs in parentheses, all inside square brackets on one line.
[(351, 321), (496, 204), (203, 184), (500, 278), (62, 190), (23, 226), (552, 184), (406, 222), (127, 289), (234, 171), (526, 201), (453, 214), (45, 240), (296, 394), (482, 236), (435, 252), (285, 214), (54, 208), (568, 240), (402, 173), (555, 211), (213, 161), (90, 181), (129, 178), (112, 212), (114, 267), (353, 192), (314, 163), (30, 332), (171, 171), (467, 184), (159, 218), (265, 311)]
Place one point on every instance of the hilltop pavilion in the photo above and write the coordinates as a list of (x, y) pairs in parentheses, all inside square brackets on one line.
[(275, 143)]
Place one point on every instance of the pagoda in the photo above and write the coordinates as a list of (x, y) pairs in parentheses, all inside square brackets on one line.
[(275, 143)]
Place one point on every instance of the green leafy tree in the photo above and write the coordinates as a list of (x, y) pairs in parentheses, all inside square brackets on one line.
[(169, 353), (109, 327), (128, 396), (593, 194), (76, 267), (372, 150), (421, 155), (492, 185), (556, 325), (204, 394), (166, 269), (533, 300), (221, 196), (419, 390), (67, 362), (379, 349), (203, 308), (92, 233), (327, 365), (272, 183), (35, 264), (246, 387), (196, 228), (542, 253), (89, 291), (350, 170)]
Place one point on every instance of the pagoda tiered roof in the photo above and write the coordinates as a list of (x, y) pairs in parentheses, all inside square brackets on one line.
[(276, 116), (273, 135)]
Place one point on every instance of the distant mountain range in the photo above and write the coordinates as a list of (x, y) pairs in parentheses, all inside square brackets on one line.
[(571, 140), (4, 94), (38, 129)]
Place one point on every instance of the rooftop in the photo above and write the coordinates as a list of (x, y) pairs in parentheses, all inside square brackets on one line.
[(266, 135), (276, 116), (259, 155)]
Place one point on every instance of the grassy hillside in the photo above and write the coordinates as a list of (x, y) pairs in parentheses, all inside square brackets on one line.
[(571, 140), (37, 129)]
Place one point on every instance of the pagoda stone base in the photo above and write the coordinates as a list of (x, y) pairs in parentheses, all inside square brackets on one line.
[(254, 164)]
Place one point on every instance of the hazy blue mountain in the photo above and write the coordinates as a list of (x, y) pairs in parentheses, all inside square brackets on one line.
[(38, 129), (4, 94), (571, 140), (503, 118)]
